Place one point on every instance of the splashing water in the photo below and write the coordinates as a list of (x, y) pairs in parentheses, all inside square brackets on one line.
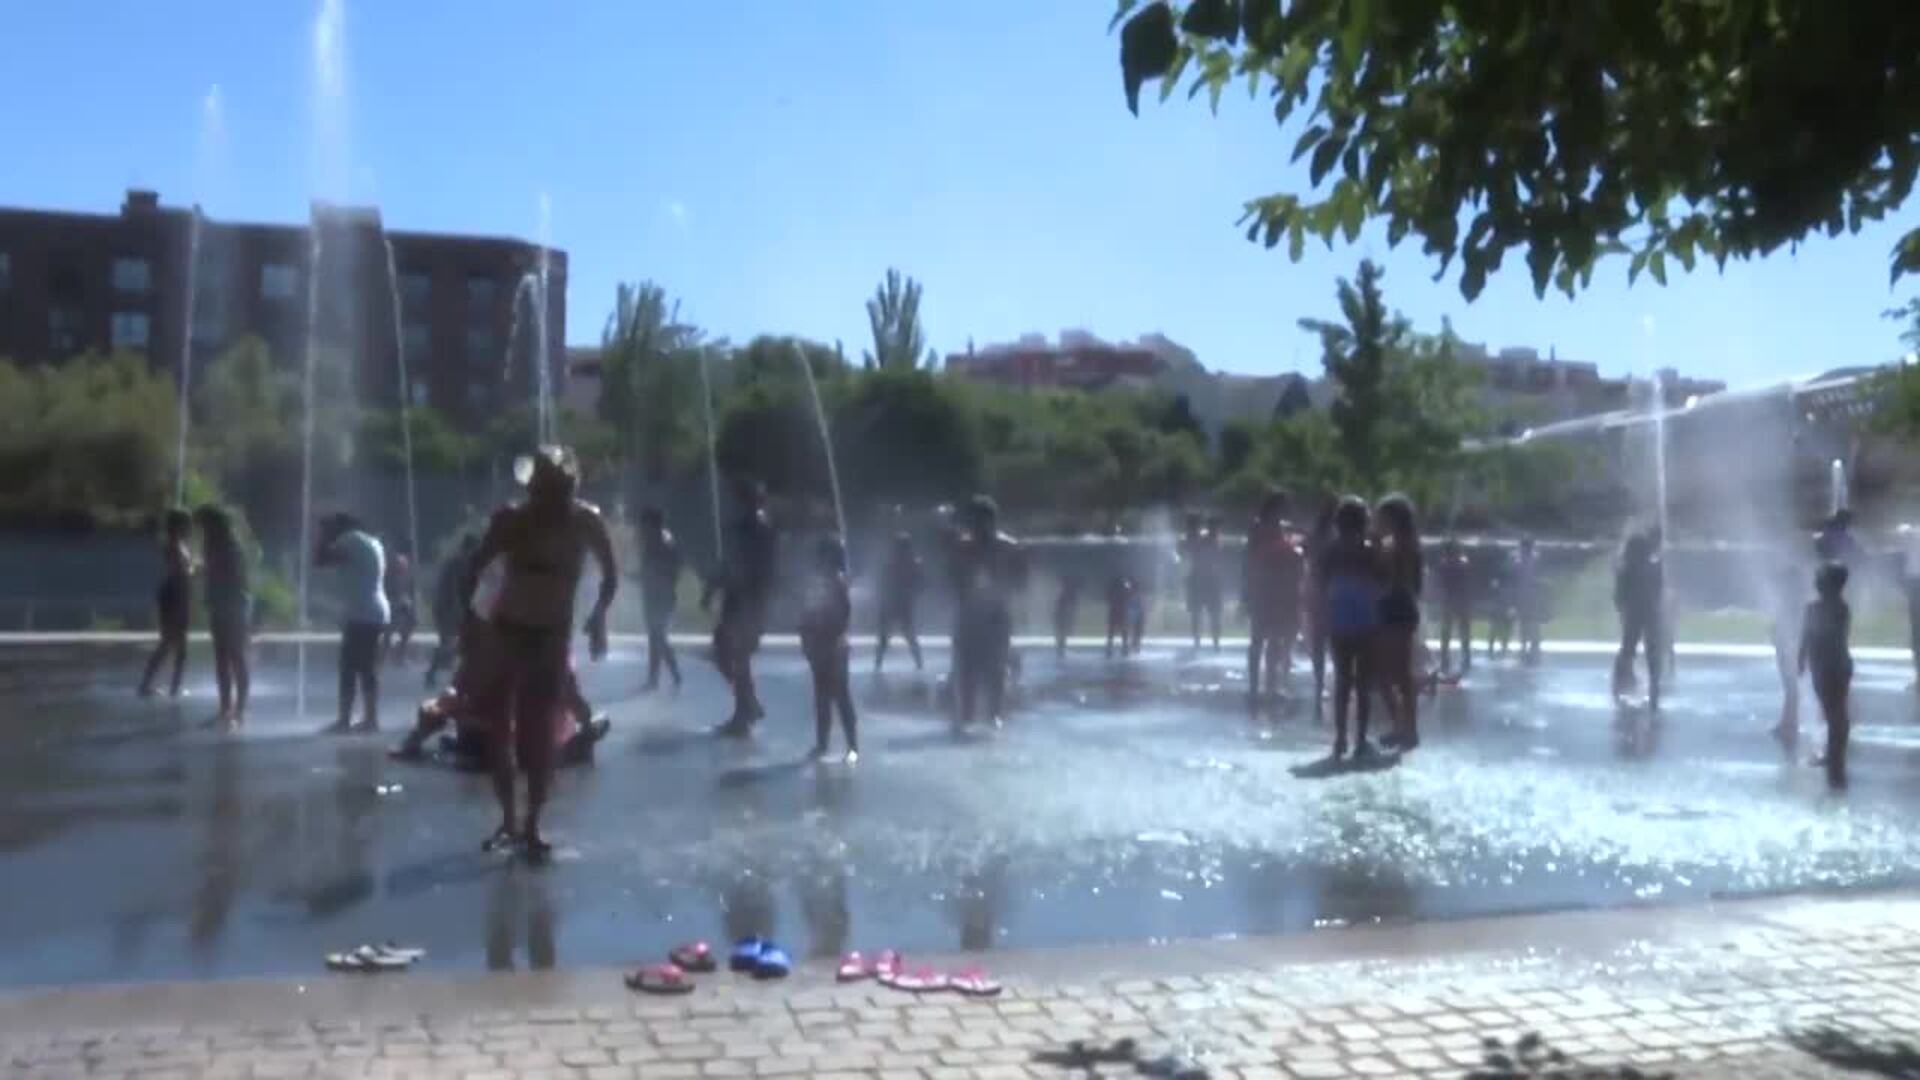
[(543, 381), (185, 419), (303, 556), (1837, 495), (826, 446), (406, 407), (530, 293)]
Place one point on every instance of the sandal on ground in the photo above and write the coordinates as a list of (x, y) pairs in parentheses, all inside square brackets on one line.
[(408, 953), (660, 979), (919, 981), (746, 953), (974, 983), (856, 966), (774, 963), (366, 958), (694, 956)]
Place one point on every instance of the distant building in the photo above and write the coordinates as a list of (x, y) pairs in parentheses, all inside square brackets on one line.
[(77, 282), (1079, 361), (1531, 389), (585, 375)]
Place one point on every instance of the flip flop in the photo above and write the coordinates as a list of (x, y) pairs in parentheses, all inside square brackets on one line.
[(773, 963), (502, 839), (746, 953), (857, 966), (365, 959), (408, 953), (660, 979), (921, 981), (694, 956), (1172, 1067), (974, 983)]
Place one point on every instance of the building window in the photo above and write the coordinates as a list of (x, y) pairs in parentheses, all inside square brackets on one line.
[(6, 270), (131, 329), (416, 289), (420, 393), (482, 294), (279, 281), (415, 341), (209, 318), (132, 275), (63, 330), (483, 353)]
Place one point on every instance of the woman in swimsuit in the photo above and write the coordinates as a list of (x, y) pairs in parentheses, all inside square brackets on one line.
[(229, 611), (1348, 597), (543, 543), (173, 603), (1404, 572)]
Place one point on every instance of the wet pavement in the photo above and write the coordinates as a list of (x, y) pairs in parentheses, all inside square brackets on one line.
[(1125, 802)]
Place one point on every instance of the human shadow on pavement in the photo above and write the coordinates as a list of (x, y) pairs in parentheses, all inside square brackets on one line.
[(1326, 767), (1531, 1058), (1853, 1052)]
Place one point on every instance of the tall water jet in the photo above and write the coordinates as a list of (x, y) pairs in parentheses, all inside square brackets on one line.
[(303, 556), (206, 161), (1836, 487), (713, 461), (542, 351), (529, 293), (406, 403), (826, 445), (1658, 407)]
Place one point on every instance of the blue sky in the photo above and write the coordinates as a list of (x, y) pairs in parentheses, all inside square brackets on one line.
[(767, 160)]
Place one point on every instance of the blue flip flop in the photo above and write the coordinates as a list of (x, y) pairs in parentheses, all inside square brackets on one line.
[(774, 962), (746, 953)]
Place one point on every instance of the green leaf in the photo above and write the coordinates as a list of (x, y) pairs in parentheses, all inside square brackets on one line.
[(1307, 140), (1657, 266), (1540, 260), (1638, 264), (1324, 156), (1170, 79), (1296, 241), (1120, 12), (1215, 19), (1147, 49), (1906, 257)]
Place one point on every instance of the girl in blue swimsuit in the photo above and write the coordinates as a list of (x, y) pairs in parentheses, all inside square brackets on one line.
[(1349, 587)]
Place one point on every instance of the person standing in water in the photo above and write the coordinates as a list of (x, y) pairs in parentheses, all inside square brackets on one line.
[(1120, 598), (988, 567), (1404, 573), (745, 587), (173, 603), (543, 544), (450, 607), (1637, 589), (1312, 617), (1066, 611), (349, 548), (660, 566), (825, 616), (1826, 655), (1348, 583), (229, 612), (1200, 550), (900, 581), (1529, 601), (1455, 578), (401, 603), (1270, 585)]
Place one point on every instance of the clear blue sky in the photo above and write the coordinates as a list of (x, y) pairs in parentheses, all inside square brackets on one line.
[(767, 160)]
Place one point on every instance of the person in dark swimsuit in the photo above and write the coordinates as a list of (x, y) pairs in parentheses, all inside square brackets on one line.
[(1066, 611), (1348, 589), (1455, 578), (1200, 551), (825, 615), (900, 581), (543, 543), (745, 588), (660, 566), (1637, 589), (173, 604), (1403, 570), (1270, 584), (988, 568), (1120, 598), (229, 611), (1826, 655)]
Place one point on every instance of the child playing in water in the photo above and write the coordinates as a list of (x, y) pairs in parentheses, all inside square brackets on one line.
[(1120, 590), (1066, 609), (1349, 594), (1825, 655), (173, 603), (1404, 571), (823, 638), (229, 611)]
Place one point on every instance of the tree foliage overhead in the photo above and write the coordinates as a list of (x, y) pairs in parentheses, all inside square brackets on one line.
[(1564, 130), (899, 339)]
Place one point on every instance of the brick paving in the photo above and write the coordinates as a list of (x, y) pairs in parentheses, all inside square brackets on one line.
[(1736, 990)]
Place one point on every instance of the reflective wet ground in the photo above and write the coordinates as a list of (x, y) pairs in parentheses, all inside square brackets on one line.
[(1125, 802)]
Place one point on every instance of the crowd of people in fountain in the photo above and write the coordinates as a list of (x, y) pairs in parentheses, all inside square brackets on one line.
[(1347, 588)]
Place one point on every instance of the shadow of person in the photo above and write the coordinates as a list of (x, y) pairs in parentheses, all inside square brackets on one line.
[(520, 899), (1330, 766), (823, 904), (1636, 731), (749, 775), (1853, 1052)]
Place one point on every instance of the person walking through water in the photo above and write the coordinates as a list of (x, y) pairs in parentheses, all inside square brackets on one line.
[(229, 612), (401, 603), (173, 604), (450, 607), (745, 586), (1404, 572), (988, 567), (900, 581), (1066, 612), (1348, 593), (660, 566), (1270, 585), (1826, 655), (825, 615), (543, 543), (1455, 578), (350, 549), (1637, 589), (1200, 550)]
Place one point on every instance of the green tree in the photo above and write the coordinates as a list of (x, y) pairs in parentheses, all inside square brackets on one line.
[(650, 381), (899, 341), (904, 435), (89, 440), (1568, 131), (1358, 353)]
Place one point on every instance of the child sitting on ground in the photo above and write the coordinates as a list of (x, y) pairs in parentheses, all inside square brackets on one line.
[(1824, 653), (823, 638)]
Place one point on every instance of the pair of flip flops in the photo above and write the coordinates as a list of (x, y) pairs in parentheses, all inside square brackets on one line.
[(889, 970), (671, 977), (375, 958), (760, 957)]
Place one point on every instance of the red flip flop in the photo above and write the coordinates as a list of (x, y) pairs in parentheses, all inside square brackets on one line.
[(857, 966), (974, 983), (694, 956), (660, 979), (921, 981)]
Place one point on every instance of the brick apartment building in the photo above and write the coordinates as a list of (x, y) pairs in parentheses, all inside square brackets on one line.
[(75, 282)]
